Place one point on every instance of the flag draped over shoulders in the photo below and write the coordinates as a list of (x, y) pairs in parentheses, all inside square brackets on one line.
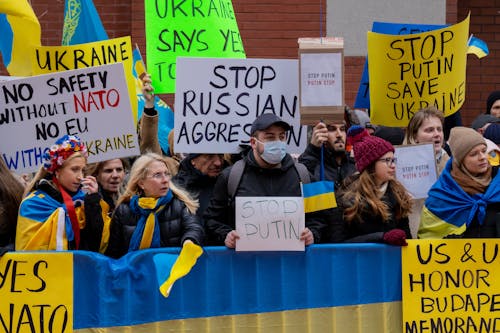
[(20, 31), (449, 210), (43, 223)]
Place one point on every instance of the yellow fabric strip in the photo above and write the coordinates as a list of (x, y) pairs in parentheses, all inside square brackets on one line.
[(320, 202), (185, 262), (373, 318), (432, 227)]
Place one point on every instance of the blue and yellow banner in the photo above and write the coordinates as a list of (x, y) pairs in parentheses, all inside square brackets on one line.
[(327, 288)]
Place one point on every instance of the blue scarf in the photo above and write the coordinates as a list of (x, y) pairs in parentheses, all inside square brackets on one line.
[(147, 231), (448, 201)]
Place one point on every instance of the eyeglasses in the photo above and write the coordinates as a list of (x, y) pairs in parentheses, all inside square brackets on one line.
[(160, 175), (389, 160)]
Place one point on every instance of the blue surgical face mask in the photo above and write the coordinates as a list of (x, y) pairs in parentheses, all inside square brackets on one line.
[(274, 151)]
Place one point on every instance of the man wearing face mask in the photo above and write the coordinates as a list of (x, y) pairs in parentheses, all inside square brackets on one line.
[(269, 171)]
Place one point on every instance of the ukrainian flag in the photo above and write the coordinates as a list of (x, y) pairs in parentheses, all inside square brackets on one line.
[(478, 47), (318, 196), (20, 32), (82, 23), (449, 210)]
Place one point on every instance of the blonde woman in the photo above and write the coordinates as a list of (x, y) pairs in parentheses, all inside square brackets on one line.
[(62, 209), (153, 212)]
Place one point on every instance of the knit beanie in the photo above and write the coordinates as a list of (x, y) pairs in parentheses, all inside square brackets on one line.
[(492, 98), (367, 149), (462, 140), (493, 133)]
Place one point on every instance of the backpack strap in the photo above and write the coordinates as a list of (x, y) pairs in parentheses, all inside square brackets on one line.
[(234, 179), (304, 175)]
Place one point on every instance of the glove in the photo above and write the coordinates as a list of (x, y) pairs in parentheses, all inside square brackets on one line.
[(395, 237)]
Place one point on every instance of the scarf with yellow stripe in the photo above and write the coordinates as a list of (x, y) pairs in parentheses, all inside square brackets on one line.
[(147, 232)]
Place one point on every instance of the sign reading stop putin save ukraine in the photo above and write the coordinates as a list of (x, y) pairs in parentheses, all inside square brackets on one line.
[(410, 72), (193, 28), (92, 103)]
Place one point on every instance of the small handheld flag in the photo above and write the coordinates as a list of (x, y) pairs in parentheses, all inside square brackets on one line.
[(478, 47)]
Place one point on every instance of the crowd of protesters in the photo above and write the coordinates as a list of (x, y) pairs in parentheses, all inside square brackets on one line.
[(166, 200)]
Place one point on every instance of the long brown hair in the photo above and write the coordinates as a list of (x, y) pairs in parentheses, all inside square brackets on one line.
[(361, 195)]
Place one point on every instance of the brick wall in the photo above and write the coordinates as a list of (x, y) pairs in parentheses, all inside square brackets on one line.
[(270, 29)]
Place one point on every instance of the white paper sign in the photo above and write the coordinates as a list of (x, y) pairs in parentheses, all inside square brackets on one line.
[(91, 103), (269, 223), (416, 168), (321, 79), (216, 101)]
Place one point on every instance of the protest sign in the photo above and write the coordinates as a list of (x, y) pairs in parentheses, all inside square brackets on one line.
[(416, 168), (269, 223), (91, 103), (363, 95), (185, 28), (49, 59), (450, 285), (217, 100), (321, 66), (36, 292), (415, 71)]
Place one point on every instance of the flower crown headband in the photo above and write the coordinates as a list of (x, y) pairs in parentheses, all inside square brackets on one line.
[(62, 150)]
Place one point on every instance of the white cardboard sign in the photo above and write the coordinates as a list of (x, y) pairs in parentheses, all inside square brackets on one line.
[(216, 101), (91, 103), (416, 168), (269, 223)]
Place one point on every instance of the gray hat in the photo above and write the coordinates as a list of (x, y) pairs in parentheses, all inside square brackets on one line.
[(266, 120), (482, 120)]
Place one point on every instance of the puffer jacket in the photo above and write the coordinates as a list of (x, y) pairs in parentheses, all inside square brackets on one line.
[(176, 223), (255, 181)]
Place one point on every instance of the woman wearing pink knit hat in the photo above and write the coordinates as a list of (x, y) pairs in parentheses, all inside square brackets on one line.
[(375, 205)]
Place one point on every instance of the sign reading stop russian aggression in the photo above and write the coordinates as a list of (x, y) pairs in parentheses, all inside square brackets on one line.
[(91, 103), (217, 100)]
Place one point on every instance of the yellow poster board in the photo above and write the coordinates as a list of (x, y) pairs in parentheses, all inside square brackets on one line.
[(451, 285), (410, 72), (48, 59), (36, 292)]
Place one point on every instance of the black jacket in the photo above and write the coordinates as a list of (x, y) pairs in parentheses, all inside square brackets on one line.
[(255, 181), (367, 227), (335, 172), (176, 225), (199, 185)]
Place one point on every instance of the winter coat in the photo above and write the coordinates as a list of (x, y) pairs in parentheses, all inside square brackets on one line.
[(176, 223), (255, 181), (367, 227)]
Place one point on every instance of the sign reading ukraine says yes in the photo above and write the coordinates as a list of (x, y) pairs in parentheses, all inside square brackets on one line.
[(410, 72), (91, 103), (36, 292), (216, 101), (202, 28)]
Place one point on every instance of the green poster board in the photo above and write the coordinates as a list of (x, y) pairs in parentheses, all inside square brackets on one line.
[(202, 28)]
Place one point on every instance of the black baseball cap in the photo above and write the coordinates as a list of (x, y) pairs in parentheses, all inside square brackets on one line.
[(266, 120)]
